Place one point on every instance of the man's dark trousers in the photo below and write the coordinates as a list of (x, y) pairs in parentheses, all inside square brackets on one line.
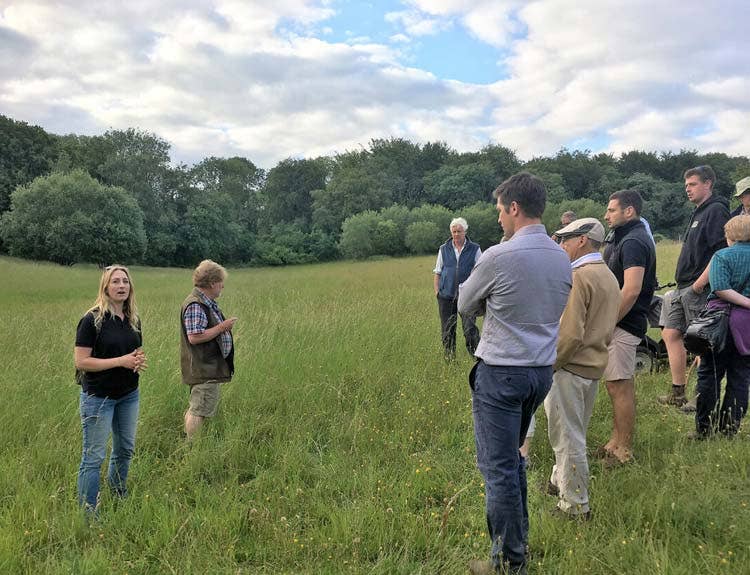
[(503, 400), (448, 309)]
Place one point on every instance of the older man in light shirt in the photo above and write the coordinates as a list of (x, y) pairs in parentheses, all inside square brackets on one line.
[(455, 260)]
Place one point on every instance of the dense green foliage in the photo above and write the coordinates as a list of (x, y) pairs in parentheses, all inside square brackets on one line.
[(68, 218), (343, 445), (299, 211)]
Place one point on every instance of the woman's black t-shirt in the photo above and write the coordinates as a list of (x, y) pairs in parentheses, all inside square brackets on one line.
[(115, 338)]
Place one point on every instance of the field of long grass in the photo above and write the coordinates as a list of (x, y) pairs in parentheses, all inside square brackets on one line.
[(343, 445)]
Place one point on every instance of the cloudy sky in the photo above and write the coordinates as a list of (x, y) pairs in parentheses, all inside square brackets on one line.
[(270, 79)]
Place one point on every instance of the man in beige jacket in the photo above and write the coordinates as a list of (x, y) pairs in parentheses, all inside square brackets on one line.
[(586, 329)]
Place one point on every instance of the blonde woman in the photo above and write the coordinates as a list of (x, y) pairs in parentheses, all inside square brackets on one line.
[(109, 357)]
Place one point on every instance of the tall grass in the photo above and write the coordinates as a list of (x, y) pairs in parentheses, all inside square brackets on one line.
[(343, 445)]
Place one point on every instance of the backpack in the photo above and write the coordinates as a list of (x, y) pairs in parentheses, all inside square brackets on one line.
[(81, 374)]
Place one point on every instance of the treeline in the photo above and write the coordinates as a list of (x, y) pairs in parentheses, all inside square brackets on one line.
[(117, 197)]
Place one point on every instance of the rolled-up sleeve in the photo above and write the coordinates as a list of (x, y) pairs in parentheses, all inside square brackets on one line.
[(438, 263)]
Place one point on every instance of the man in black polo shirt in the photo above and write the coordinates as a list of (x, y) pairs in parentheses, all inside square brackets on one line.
[(703, 237), (631, 256)]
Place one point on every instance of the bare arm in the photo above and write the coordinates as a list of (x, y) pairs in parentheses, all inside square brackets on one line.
[(700, 284), (631, 288), (734, 297), (436, 282), (135, 360), (212, 332)]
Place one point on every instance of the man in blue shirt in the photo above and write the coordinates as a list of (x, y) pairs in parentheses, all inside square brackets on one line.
[(521, 287)]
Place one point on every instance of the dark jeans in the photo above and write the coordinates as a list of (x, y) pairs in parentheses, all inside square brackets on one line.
[(709, 417), (448, 309), (503, 401)]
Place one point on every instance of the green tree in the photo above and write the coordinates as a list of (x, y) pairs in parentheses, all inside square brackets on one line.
[(457, 186), (236, 178), (638, 162), (396, 164), (423, 237), (138, 161), (665, 207), (287, 191), (71, 218), (26, 152), (351, 189), (358, 235), (503, 161), (484, 228)]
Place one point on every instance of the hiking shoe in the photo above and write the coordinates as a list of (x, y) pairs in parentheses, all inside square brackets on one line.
[(698, 436), (677, 399), (689, 406)]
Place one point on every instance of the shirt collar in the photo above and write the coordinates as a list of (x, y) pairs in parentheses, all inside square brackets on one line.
[(587, 259), (531, 229), (207, 300)]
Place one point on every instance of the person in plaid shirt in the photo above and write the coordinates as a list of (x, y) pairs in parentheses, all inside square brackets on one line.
[(207, 346)]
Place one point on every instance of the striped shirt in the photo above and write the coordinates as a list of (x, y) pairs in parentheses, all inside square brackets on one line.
[(196, 322)]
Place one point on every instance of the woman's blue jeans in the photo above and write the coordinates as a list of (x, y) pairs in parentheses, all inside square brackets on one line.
[(503, 400), (101, 416)]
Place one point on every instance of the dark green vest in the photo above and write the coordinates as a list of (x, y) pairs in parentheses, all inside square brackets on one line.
[(202, 362)]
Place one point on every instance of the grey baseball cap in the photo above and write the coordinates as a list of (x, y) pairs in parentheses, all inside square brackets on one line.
[(589, 227)]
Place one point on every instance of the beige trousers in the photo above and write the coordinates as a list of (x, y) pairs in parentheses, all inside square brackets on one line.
[(568, 406)]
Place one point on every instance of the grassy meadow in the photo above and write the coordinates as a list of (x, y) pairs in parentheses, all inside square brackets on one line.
[(343, 445)]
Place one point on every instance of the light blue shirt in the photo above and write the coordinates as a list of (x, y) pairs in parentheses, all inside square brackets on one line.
[(521, 287), (648, 230)]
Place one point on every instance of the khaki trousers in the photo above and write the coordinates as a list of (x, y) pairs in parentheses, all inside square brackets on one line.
[(568, 406)]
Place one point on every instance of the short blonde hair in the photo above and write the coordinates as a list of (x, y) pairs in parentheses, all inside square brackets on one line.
[(737, 229), (208, 273)]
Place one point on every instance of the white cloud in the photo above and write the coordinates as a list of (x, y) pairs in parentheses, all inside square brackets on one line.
[(491, 21), (400, 38), (249, 78), (416, 24)]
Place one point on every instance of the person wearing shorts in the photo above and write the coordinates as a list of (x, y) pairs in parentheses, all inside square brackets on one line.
[(207, 346), (703, 237), (631, 256)]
